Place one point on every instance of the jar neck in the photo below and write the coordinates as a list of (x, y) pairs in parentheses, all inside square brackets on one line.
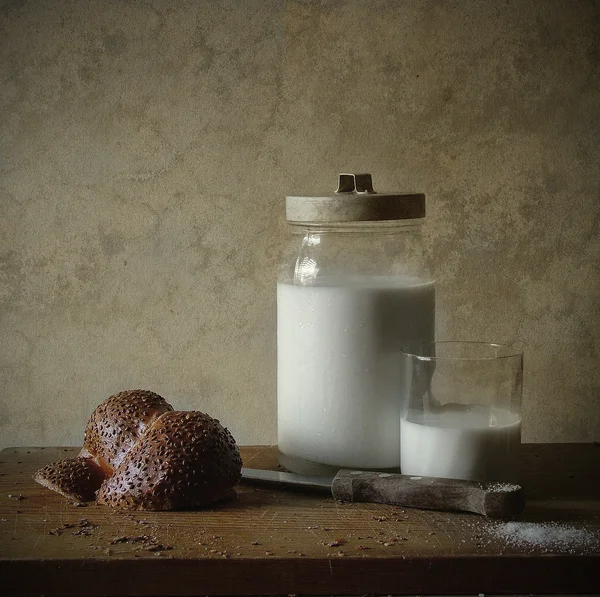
[(325, 253)]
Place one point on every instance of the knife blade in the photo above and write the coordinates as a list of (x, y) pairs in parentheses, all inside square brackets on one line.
[(493, 499)]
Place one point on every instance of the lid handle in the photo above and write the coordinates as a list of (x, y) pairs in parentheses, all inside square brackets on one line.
[(355, 183)]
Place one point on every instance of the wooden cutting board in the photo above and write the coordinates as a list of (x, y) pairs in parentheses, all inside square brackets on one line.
[(286, 542)]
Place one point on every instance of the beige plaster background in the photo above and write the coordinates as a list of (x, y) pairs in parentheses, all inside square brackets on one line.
[(146, 148)]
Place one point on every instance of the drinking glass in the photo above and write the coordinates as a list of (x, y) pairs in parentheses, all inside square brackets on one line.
[(461, 416)]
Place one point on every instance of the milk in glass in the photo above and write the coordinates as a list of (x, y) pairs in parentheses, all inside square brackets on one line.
[(475, 443)]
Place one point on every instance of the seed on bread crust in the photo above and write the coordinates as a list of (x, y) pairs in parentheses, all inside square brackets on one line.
[(185, 459)]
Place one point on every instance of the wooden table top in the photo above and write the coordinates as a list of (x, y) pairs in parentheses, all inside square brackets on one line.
[(288, 542)]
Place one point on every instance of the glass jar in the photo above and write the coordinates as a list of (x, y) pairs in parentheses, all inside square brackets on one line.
[(353, 289)]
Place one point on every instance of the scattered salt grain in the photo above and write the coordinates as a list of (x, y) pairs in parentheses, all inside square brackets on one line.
[(551, 536), (502, 487)]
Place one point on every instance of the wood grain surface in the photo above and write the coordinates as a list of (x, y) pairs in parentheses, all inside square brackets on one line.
[(288, 542)]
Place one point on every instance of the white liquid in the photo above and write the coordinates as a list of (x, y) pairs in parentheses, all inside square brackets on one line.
[(339, 371), (459, 444)]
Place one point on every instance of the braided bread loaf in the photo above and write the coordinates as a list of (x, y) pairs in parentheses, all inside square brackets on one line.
[(140, 454)]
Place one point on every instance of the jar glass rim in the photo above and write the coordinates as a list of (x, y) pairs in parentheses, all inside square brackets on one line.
[(459, 350)]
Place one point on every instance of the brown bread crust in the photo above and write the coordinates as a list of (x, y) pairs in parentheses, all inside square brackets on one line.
[(76, 478)]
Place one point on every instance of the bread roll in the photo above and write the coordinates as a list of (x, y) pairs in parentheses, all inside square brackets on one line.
[(139, 453)]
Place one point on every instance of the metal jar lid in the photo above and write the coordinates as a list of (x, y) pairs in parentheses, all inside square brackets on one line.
[(354, 201)]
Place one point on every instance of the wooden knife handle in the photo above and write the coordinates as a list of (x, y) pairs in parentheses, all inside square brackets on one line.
[(500, 500)]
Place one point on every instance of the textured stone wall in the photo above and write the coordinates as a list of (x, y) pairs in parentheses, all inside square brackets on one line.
[(146, 147)]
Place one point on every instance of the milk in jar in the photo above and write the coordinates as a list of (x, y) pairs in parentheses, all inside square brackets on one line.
[(354, 290), (338, 367)]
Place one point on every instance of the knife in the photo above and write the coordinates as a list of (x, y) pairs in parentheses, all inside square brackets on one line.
[(498, 500)]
